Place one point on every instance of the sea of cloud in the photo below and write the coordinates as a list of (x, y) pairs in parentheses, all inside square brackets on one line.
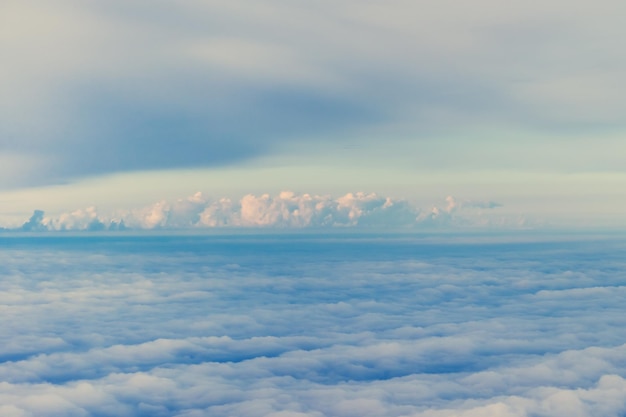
[(285, 210), (295, 325)]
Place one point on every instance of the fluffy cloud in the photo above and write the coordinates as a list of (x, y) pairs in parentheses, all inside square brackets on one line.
[(311, 326), (286, 210)]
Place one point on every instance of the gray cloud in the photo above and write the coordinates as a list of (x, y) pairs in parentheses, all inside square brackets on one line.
[(90, 88)]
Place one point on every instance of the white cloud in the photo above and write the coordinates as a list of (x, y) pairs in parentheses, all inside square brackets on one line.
[(467, 213), (285, 210), (311, 326)]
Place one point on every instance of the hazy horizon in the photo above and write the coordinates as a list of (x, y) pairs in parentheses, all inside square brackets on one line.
[(119, 105)]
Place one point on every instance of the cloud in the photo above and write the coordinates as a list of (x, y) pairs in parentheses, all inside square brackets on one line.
[(465, 212), (35, 223), (90, 88), (287, 210), (127, 90), (311, 325)]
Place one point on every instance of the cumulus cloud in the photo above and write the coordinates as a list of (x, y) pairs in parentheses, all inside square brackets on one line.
[(287, 210), (311, 326), (465, 212), (35, 223)]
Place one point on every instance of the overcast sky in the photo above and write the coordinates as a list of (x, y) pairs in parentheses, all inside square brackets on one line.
[(120, 103)]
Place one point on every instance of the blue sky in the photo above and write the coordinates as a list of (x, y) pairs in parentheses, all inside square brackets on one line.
[(120, 104)]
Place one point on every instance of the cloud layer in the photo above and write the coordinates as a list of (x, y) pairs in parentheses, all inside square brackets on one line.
[(309, 326), (287, 210), (90, 88)]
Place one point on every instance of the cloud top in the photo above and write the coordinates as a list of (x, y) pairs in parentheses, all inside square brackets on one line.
[(311, 326), (287, 210)]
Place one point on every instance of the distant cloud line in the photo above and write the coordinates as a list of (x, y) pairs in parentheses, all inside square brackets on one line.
[(286, 210)]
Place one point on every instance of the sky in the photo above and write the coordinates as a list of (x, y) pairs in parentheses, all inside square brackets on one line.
[(122, 104), (277, 326)]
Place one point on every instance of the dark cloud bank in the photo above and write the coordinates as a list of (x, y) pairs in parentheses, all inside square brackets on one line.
[(306, 326), (91, 88)]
